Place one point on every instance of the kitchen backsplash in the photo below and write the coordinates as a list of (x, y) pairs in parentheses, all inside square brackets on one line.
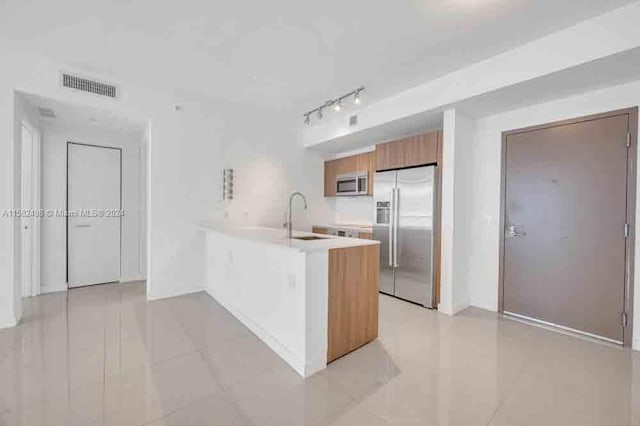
[(354, 210)]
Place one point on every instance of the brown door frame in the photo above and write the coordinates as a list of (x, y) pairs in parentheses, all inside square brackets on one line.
[(631, 205)]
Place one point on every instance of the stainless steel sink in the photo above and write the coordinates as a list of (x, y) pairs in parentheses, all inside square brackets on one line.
[(309, 238)]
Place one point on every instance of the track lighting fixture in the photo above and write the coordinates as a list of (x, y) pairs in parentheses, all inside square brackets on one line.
[(335, 103), (356, 99)]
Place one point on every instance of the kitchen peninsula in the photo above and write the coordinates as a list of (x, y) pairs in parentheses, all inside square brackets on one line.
[(311, 298)]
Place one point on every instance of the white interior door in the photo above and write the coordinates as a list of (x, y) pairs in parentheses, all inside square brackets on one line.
[(94, 227), (27, 206)]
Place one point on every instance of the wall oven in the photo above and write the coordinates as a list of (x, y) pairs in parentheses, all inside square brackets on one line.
[(353, 183)]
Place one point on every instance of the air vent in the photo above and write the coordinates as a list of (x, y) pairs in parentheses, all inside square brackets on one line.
[(90, 86), (47, 112)]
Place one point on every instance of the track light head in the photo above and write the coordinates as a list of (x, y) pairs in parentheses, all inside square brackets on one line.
[(335, 104)]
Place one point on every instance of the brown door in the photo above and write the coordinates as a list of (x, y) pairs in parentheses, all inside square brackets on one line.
[(565, 214)]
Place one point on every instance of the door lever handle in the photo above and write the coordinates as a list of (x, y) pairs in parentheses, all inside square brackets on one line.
[(513, 232)]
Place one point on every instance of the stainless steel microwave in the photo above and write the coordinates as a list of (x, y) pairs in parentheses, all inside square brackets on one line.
[(353, 183)]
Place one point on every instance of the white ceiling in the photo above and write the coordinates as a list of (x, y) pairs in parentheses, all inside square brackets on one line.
[(285, 55), (72, 115), (611, 71)]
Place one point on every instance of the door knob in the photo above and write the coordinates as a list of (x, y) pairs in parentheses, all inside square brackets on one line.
[(513, 232)]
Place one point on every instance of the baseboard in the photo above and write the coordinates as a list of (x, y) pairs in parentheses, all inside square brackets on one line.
[(174, 293), (133, 278), (490, 308), (314, 367), (635, 344), (54, 288), (452, 310), (284, 353), (459, 308), (7, 321), (45, 289)]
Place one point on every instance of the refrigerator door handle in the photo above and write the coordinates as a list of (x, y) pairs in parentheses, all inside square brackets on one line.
[(396, 225), (391, 225)]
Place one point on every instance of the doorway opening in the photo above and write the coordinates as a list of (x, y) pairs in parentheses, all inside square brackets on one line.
[(89, 176), (94, 220), (29, 205), (568, 225)]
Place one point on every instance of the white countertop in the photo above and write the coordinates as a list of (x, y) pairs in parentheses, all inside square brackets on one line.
[(350, 227), (278, 237)]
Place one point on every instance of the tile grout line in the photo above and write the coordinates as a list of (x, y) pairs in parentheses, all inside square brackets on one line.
[(162, 416), (502, 400), (223, 388), (224, 391), (105, 375), (66, 312), (104, 352)]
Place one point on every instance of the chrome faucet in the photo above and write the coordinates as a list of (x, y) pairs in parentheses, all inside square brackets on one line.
[(289, 222)]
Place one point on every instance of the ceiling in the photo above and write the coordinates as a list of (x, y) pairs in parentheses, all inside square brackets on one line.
[(284, 56), (72, 115), (613, 70)]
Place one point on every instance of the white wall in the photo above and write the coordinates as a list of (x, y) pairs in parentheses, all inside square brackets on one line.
[(187, 185), (446, 304), (54, 190), (482, 186), (268, 166), (463, 210), (457, 135), (143, 175), (9, 308)]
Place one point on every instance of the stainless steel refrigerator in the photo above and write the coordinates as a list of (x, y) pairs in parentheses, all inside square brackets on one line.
[(404, 202)]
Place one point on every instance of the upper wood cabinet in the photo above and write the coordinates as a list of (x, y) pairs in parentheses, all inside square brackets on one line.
[(352, 164), (330, 178), (413, 151)]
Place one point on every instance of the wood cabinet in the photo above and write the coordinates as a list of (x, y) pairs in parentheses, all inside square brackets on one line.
[(352, 164), (330, 174), (408, 152), (319, 230), (323, 230), (353, 299)]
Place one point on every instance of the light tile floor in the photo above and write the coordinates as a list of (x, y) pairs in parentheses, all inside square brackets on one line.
[(103, 355)]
